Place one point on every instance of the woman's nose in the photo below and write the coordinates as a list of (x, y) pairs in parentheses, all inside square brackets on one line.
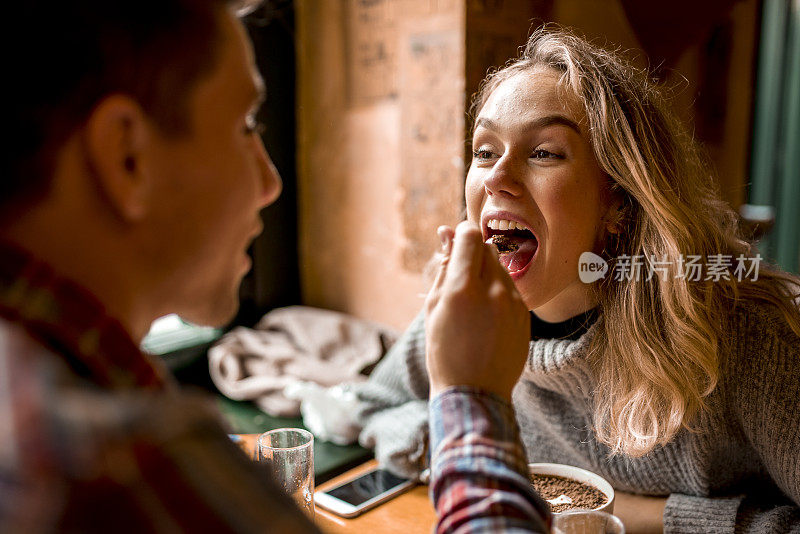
[(504, 178)]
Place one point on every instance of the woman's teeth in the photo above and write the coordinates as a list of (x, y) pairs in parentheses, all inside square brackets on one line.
[(503, 224)]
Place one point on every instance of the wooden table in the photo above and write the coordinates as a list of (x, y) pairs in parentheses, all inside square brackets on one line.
[(409, 513)]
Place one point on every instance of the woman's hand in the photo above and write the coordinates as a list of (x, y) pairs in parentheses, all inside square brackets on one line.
[(477, 327)]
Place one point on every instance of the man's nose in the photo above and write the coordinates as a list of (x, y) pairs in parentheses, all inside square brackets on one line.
[(504, 178), (270, 179)]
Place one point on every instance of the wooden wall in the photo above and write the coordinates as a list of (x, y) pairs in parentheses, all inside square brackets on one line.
[(380, 152)]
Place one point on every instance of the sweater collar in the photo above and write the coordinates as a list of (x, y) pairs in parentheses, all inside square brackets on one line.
[(562, 365)]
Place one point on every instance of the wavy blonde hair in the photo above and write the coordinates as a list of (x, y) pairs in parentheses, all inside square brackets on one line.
[(660, 342)]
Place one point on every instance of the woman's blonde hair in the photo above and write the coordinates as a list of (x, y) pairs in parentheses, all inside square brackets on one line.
[(660, 341)]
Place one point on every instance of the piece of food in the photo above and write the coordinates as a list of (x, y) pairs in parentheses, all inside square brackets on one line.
[(515, 242), (504, 244)]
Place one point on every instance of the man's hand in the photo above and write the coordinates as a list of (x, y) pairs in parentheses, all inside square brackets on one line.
[(477, 327)]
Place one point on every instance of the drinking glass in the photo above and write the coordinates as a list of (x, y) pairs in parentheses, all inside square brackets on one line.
[(289, 454), (586, 522)]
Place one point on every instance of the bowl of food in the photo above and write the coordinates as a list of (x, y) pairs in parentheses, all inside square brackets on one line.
[(565, 487)]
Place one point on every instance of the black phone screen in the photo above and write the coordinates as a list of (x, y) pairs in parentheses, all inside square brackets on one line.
[(365, 487)]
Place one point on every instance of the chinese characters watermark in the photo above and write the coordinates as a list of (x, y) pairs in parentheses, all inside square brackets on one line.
[(692, 268)]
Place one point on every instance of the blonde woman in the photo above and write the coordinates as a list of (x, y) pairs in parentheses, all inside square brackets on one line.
[(676, 373)]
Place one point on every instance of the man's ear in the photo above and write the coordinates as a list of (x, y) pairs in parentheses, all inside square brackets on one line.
[(116, 141)]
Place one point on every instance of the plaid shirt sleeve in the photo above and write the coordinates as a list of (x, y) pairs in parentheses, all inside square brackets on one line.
[(479, 479), (77, 458), (94, 437)]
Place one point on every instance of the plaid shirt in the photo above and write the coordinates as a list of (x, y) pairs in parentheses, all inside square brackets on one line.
[(94, 435), (479, 480)]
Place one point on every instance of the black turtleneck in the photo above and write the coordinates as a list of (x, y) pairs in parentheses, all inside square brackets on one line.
[(572, 328)]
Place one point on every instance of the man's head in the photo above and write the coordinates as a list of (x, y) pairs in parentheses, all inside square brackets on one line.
[(135, 168), (66, 56)]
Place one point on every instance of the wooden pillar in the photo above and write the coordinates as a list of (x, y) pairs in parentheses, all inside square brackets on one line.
[(380, 153)]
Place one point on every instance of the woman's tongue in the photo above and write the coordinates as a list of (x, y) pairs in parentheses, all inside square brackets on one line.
[(517, 260)]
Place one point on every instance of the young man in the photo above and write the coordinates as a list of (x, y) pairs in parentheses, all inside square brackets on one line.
[(131, 188)]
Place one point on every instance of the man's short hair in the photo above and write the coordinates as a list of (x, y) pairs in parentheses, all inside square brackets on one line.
[(66, 55)]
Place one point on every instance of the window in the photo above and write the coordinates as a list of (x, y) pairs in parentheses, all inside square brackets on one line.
[(171, 333), (775, 166)]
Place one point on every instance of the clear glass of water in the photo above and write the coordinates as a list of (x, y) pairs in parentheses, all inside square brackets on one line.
[(586, 522), (289, 455)]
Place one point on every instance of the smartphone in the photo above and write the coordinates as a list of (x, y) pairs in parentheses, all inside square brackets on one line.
[(356, 496)]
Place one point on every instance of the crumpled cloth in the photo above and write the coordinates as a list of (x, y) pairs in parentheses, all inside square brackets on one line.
[(328, 413), (296, 343)]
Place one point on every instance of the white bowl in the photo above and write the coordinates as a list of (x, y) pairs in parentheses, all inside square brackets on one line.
[(581, 475)]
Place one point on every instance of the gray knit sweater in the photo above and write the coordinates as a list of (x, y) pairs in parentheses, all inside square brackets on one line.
[(740, 472)]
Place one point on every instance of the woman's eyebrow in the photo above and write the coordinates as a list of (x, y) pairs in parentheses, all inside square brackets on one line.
[(541, 122)]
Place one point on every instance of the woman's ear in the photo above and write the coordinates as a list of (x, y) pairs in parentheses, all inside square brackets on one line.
[(116, 140), (616, 209), (615, 216)]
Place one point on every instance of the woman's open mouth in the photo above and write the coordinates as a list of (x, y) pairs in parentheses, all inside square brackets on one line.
[(516, 244)]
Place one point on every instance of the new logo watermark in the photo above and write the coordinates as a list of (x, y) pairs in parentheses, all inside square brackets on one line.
[(591, 267), (716, 267)]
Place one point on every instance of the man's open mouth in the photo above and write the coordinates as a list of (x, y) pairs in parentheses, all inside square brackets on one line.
[(515, 242)]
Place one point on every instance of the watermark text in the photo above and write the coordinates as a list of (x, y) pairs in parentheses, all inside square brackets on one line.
[(692, 268)]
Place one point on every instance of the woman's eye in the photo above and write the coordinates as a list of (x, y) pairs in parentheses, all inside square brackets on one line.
[(482, 154), (545, 154)]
